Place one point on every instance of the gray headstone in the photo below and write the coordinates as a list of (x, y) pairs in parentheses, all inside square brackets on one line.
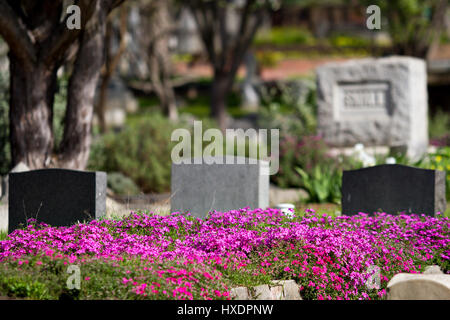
[(393, 188), (377, 102), (201, 188), (58, 197), (406, 286)]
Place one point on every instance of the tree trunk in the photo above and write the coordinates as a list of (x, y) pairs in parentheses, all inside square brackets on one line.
[(101, 105), (219, 92), (82, 84), (159, 77), (38, 42), (158, 24), (111, 62), (31, 115)]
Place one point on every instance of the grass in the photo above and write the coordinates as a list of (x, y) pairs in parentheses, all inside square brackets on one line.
[(281, 36), (198, 107), (3, 235)]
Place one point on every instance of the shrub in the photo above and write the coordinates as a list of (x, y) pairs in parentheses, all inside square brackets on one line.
[(440, 160), (323, 184), (269, 59), (438, 129), (303, 152), (290, 107), (281, 36), (305, 163), (343, 40), (121, 184), (141, 151)]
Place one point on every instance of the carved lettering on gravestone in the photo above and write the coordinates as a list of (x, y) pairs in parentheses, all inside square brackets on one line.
[(362, 99)]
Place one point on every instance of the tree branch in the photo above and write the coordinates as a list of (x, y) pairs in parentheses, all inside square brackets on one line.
[(205, 30), (16, 35), (62, 38)]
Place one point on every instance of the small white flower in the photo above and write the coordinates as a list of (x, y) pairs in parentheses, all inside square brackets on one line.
[(359, 147)]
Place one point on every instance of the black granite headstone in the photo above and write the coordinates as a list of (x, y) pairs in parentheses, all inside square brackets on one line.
[(58, 197), (393, 189)]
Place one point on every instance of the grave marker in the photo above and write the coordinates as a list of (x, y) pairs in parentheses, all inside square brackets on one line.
[(201, 188), (377, 102), (393, 188), (410, 286), (58, 197)]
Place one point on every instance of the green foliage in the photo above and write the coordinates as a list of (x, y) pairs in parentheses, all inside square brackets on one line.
[(323, 184), (59, 110), (439, 125), (409, 23), (305, 153), (121, 184), (440, 160), (43, 277), (3, 235), (199, 106), (291, 107), (269, 58), (24, 287), (285, 36), (141, 151), (343, 40)]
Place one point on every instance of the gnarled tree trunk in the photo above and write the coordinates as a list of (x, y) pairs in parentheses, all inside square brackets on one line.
[(31, 104), (75, 146), (38, 43)]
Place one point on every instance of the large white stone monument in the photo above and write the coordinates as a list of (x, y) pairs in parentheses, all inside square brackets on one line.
[(377, 102)]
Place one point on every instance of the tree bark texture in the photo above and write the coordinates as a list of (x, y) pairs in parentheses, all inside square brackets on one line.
[(38, 45)]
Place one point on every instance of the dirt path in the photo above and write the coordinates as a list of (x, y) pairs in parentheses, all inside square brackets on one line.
[(284, 69)]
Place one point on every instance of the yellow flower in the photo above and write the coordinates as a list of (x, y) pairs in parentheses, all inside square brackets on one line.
[(432, 167), (448, 167), (438, 158), (441, 168)]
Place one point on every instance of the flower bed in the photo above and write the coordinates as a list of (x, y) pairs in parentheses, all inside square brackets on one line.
[(182, 257)]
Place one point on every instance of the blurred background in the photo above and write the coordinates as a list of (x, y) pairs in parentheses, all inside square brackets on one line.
[(162, 64)]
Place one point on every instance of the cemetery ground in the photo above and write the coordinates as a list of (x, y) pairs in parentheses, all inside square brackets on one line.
[(175, 256), (146, 256)]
